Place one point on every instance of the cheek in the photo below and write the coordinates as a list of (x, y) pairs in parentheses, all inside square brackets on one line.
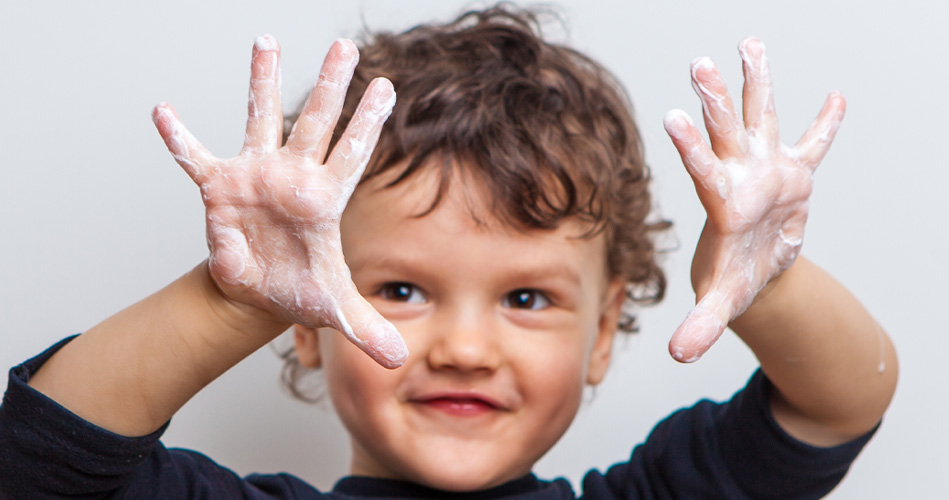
[(353, 380), (552, 373), (553, 392)]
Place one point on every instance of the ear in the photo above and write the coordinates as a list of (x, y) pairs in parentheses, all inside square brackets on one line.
[(307, 346), (606, 332)]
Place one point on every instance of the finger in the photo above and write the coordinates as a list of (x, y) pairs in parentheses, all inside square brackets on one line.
[(699, 159), (725, 130), (264, 109), (814, 144), (701, 328), (187, 151), (351, 154), (369, 331), (313, 130), (758, 94)]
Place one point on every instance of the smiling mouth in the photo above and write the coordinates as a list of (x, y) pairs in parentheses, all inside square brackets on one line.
[(462, 406)]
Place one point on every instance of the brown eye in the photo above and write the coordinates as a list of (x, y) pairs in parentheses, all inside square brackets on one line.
[(402, 292), (526, 298)]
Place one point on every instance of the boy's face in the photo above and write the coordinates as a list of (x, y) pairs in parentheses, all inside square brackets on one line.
[(504, 327)]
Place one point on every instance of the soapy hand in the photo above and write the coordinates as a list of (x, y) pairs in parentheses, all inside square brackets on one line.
[(754, 189), (273, 212)]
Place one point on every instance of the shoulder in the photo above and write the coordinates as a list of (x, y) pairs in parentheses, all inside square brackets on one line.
[(726, 450)]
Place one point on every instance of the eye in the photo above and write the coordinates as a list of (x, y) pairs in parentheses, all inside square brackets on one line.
[(402, 292), (526, 298)]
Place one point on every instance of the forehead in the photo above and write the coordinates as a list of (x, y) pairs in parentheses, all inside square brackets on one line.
[(386, 223)]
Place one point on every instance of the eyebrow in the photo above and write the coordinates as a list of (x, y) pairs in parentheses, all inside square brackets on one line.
[(373, 260), (543, 271)]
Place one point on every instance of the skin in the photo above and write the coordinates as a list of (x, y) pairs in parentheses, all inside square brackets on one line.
[(274, 218), (505, 327), (754, 189), (275, 257), (273, 212), (833, 366)]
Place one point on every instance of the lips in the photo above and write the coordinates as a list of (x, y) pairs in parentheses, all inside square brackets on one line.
[(459, 404)]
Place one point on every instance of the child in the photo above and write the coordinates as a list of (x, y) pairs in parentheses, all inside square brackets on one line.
[(496, 232)]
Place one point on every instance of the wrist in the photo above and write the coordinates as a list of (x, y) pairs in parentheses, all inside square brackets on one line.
[(130, 373)]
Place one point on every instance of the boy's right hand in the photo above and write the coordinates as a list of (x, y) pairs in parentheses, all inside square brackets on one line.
[(273, 212)]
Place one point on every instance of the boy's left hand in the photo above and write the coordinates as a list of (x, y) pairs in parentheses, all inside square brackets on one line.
[(754, 189)]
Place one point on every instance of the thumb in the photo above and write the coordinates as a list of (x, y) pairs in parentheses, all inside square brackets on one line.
[(701, 328), (368, 330)]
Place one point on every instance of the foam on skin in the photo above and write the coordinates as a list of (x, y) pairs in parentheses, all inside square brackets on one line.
[(273, 212), (754, 188)]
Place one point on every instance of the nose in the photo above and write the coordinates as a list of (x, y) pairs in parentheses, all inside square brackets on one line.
[(465, 339)]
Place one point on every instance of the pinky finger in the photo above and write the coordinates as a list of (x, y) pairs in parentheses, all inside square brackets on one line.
[(814, 144), (187, 151)]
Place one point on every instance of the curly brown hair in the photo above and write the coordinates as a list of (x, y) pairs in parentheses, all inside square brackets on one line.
[(548, 131)]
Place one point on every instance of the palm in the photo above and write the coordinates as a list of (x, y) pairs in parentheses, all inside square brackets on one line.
[(273, 212)]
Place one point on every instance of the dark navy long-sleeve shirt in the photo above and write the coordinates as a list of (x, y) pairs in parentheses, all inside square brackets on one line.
[(732, 450)]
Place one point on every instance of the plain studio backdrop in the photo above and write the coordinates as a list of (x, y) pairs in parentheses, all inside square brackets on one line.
[(96, 214)]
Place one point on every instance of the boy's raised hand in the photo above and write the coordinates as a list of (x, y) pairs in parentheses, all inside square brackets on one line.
[(754, 189), (273, 212)]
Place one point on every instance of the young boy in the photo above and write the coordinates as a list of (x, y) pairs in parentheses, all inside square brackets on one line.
[(496, 232)]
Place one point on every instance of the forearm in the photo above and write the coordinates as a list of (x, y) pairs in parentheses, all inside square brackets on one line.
[(133, 371), (833, 367)]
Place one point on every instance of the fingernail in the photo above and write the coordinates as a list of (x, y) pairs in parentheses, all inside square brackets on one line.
[(346, 47), (751, 44), (680, 357), (707, 67), (676, 121), (382, 98), (266, 42), (159, 110), (388, 347), (702, 62)]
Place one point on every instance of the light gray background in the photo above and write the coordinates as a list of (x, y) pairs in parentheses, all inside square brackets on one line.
[(96, 215)]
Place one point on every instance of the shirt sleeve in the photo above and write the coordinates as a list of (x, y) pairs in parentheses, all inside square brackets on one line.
[(48, 452), (733, 450)]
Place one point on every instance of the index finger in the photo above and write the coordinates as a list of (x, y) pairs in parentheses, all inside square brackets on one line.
[(352, 153), (815, 143)]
